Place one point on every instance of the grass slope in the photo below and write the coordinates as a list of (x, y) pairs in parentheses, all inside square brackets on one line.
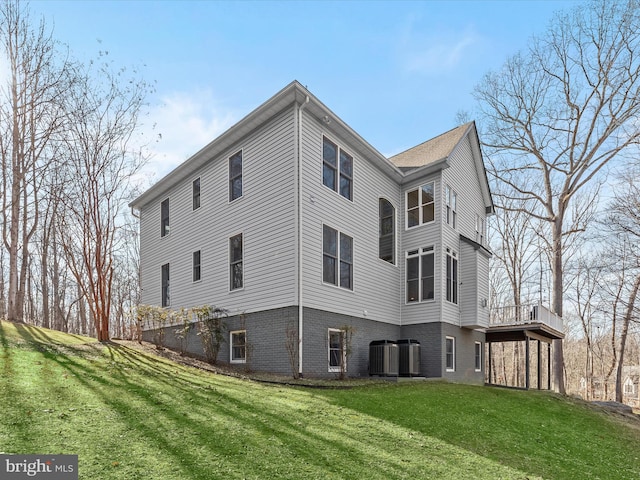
[(131, 415)]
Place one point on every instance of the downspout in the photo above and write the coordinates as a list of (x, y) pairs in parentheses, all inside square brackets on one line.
[(299, 227)]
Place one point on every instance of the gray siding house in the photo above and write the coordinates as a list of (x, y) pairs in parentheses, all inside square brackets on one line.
[(294, 223)]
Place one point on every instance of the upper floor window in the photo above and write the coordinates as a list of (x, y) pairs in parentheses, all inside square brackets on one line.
[(235, 176), (195, 193), (197, 272), (236, 256), (165, 294), (387, 240), (420, 275), (421, 205), (480, 229), (451, 197), (337, 258), (452, 276), (164, 218), (337, 169)]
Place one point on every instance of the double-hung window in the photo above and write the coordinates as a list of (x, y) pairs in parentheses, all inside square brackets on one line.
[(337, 258), (236, 257), (238, 345), (387, 239), (164, 218), (165, 293), (235, 176), (421, 205), (451, 198), (452, 276), (197, 271), (337, 353), (420, 275), (450, 354), (337, 169), (195, 193), (478, 357)]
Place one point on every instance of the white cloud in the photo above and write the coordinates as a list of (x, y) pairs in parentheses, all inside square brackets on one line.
[(442, 54), (180, 126), (428, 50)]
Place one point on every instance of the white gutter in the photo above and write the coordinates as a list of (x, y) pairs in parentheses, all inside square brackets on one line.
[(299, 228)]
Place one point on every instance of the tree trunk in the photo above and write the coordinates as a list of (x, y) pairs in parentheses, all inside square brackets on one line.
[(558, 283)]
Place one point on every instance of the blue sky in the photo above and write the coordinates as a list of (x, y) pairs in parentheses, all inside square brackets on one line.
[(396, 72)]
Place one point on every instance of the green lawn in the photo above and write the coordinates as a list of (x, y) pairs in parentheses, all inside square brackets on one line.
[(130, 415)]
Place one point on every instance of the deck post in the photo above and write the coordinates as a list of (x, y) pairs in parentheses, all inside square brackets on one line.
[(490, 363), (527, 366), (539, 368), (549, 366)]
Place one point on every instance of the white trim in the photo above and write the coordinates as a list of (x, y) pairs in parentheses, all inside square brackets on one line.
[(335, 369), (338, 169), (229, 279), (167, 199), (420, 206), (241, 152), (475, 356), (231, 359), (419, 253), (338, 234), (447, 368), (193, 266), (199, 177)]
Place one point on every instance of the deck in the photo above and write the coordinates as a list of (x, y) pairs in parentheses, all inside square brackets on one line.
[(525, 323)]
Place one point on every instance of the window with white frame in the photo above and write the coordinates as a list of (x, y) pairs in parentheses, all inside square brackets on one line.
[(478, 356), (629, 388), (480, 229), (238, 345), (164, 218), (236, 256), (420, 273), (450, 354), (451, 199), (165, 293), (235, 176), (421, 205), (336, 351), (337, 169), (337, 258), (387, 231), (452, 276), (195, 194), (197, 271)]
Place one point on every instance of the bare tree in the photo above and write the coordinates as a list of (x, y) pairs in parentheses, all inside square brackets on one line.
[(624, 221), (30, 113), (103, 154), (557, 114)]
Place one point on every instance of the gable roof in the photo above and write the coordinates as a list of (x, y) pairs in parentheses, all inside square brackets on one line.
[(420, 160), (431, 151)]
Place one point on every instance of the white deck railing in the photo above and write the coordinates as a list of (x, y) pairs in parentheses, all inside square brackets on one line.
[(525, 314)]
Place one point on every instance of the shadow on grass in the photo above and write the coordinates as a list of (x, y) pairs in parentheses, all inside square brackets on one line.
[(213, 427)]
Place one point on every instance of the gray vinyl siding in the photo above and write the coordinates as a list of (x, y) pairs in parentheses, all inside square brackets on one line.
[(264, 215), (376, 283), (463, 177), (469, 298), (418, 237)]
